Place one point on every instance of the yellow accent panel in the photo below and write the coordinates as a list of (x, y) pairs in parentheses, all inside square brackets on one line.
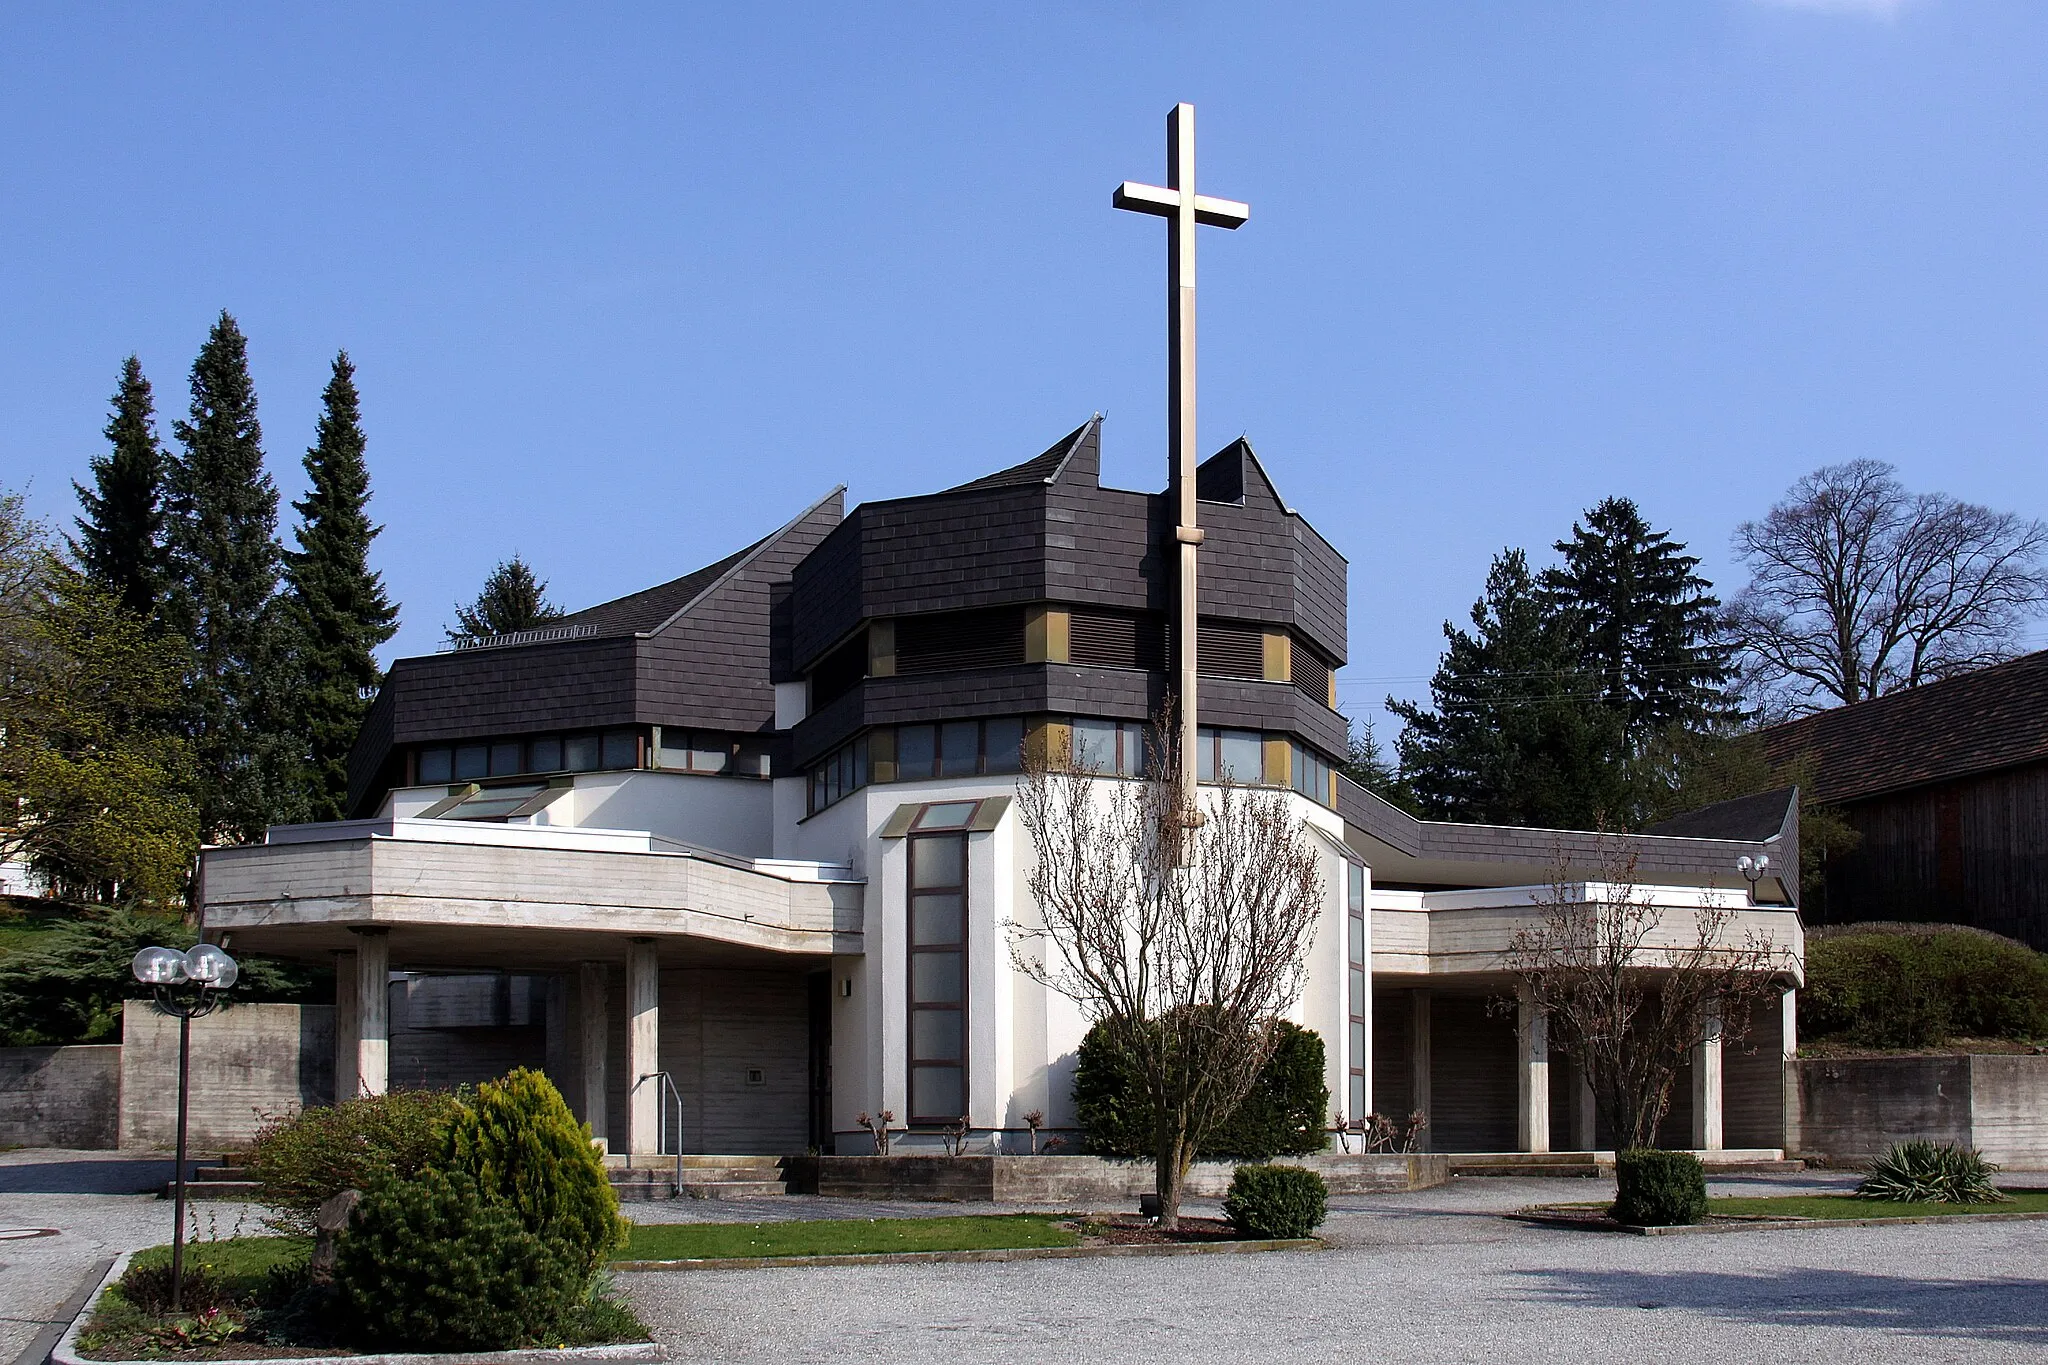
[(1332, 703), (882, 755), (1049, 741), (1279, 762), (882, 649), (1046, 635), (1279, 657)]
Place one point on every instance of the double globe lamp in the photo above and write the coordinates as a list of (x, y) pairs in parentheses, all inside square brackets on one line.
[(188, 984)]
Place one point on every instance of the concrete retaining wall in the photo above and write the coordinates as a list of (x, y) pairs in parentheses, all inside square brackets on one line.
[(1852, 1109), (1067, 1179), (60, 1096), (247, 1061)]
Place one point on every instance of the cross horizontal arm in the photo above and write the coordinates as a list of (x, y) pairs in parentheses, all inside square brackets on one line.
[(1209, 210)]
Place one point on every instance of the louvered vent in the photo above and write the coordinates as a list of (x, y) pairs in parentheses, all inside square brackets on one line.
[(1115, 640), (1311, 674), (946, 641), (1230, 651)]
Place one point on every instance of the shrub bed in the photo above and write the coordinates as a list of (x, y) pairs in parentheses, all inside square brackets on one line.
[(1276, 1201), (1284, 1115), (1918, 987), (1658, 1189), (304, 1159)]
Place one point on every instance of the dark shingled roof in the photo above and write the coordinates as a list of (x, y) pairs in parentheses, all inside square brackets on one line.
[(1991, 718), (1749, 819), (640, 612), (1041, 468)]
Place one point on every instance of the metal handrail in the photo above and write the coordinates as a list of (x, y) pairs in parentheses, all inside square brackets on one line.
[(669, 1091)]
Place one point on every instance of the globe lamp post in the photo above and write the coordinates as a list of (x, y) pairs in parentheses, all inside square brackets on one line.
[(188, 984)]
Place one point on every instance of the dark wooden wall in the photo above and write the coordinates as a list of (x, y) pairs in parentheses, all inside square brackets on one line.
[(1973, 851)]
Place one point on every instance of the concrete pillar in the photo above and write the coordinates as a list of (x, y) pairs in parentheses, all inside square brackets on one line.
[(347, 1030), (1706, 1085), (1790, 1138), (373, 1011), (1532, 1090), (1419, 1062), (1585, 1114), (643, 1047), (593, 1036)]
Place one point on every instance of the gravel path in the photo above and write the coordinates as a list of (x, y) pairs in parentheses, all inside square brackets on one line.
[(1429, 1276)]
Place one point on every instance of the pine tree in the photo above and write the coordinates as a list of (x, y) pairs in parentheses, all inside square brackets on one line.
[(1647, 623), (1517, 733), (222, 555), (339, 612), (513, 599), (1369, 767), (120, 537)]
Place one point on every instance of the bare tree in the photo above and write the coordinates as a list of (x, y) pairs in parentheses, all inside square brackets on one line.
[(1183, 933), (1859, 588), (1627, 1000)]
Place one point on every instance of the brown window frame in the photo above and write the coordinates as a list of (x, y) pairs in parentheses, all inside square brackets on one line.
[(912, 950)]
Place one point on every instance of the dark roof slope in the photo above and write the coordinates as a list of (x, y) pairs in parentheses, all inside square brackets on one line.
[(637, 613), (1751, 819), (1991, 718), (1041, 468)]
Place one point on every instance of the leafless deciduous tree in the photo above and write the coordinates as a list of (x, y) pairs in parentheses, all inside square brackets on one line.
[(1184, 937), (1627, 1000), (1859, 587)]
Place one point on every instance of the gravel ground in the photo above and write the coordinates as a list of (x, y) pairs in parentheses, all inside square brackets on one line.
[(1429, 1276)]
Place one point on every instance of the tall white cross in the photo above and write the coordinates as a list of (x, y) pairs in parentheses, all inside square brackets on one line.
[(1183, 210)]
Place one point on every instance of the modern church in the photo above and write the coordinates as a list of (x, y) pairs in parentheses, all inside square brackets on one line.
[(735, 858)]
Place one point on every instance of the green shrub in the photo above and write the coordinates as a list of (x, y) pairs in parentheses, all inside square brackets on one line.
[(1282, 1116), (305, 1159), (1659, 1189), (1918, 988), (520, 1144), (429, 1264), (1276, 1201), (1913, 1172)]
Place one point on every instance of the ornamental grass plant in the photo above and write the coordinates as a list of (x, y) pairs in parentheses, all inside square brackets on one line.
[(1926, 1172)]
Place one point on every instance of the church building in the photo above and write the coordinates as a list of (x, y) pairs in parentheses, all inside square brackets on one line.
[(735, 857)]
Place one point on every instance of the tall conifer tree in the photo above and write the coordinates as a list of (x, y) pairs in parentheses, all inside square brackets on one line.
[(119, 546), (339, 611), (1646, 622), (514, 598), (1517, 733), (222, 555)]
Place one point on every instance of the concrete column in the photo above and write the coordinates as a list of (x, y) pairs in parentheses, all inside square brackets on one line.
[(593, 1034), (1706, 1085), (1532, 1091), (1791, 1138), (1419, 1062), (347, 1030), (373, 1011), (1585, 1114), (643, 1047)]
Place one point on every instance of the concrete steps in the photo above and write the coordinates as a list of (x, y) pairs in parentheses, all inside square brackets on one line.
[(649, 1178), (220, 1181)]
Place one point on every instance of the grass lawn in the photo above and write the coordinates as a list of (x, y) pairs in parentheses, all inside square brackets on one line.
[(239, 1263), (1848, 1206), (843, 1237)]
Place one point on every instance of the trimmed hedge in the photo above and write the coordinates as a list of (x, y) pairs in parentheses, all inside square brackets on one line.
[(1658, 1189), (1276, 1201), (1284, 1114), (1919, 989)]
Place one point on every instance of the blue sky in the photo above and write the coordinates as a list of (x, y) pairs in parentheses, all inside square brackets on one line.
[(629, 285)]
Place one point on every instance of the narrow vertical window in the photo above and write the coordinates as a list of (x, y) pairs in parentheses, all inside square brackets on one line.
[(938, 977), (1360, 984)]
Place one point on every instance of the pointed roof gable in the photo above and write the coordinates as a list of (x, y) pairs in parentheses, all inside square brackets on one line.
[(1234, 474), (1078, 454)]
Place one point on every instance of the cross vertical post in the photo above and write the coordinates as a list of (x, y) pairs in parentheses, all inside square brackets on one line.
[(1183, 210)]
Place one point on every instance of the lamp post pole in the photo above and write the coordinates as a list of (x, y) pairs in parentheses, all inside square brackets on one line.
[(204, 972)]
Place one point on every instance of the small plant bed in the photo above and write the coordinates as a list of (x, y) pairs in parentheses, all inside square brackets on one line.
[(1134, 1230), (248, 1298), (844, 1237)]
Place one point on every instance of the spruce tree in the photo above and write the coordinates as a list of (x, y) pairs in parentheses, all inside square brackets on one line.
[(1646, 621), (222, 555), (1517, 733), (513, 599), (119, 547), (339, 612)]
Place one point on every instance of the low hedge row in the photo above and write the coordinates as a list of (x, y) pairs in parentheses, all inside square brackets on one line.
[(1284, 1115), (1919, 988)]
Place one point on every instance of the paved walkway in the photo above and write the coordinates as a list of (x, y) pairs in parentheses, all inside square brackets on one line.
[(1426, 1276)]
